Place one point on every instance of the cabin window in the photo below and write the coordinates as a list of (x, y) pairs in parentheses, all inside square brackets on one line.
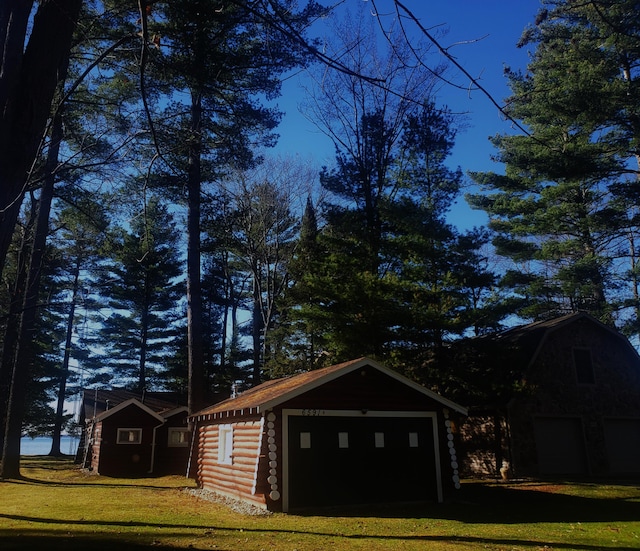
[(178, 437), (584, 366), (343, 439), (305, 440), (379, 439), (129, 436), (225, 444), (413, 439)]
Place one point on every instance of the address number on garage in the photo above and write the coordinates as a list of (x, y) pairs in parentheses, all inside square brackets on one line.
[(312, 412)]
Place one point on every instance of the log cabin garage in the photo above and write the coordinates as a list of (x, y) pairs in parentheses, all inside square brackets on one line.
[(350, 434)]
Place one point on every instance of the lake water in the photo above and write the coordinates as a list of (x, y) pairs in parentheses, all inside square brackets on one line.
[(41, 445)]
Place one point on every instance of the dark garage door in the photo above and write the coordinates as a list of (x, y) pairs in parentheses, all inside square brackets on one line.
[(623, 445), (560, 446), (351, 460)]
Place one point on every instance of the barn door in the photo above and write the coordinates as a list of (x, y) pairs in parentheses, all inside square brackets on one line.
[(337, 460), (622, 438), (560, 445)]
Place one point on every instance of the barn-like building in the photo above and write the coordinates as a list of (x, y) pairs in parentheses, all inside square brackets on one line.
[(571, 408), (352, 433)]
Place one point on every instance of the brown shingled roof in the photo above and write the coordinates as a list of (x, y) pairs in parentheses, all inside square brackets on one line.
[(272, 393)]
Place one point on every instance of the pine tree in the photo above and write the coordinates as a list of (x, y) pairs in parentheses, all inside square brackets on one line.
[(295, 340), (142, 287), (221, 58), (79, 239), (225, 291), (391, 276), (396, 280), (558, 212)]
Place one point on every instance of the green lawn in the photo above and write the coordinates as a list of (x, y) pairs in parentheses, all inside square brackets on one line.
[(57, 507)]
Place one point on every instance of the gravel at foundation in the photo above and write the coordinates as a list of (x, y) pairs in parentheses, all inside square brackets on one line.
[(236, 505)]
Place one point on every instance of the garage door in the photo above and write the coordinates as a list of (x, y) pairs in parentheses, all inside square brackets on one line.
[(560, 446), (352, 460), (623, 445)]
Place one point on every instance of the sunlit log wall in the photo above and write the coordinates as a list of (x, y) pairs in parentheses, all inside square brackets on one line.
[(238, 479), (95, 447)]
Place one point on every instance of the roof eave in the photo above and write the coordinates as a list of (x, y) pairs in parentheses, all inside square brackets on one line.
[(125, 404), (267, 405), (270, 404)]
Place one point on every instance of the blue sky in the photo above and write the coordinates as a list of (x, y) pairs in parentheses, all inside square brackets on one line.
[(485, 33)]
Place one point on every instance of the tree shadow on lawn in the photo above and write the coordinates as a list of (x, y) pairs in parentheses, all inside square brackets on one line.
[(74, 543), (541, 502), (493, 503), (48, 538), (476, 503), (49, 462), (64, 463), (104, 482)]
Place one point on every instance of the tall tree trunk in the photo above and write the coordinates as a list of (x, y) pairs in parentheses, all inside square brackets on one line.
[(27, 85), (14, 18), (224, 333), (57, 132), (142, 366), (64, 373), (256, 333), (195, 353), (24, 350), (12, 327)]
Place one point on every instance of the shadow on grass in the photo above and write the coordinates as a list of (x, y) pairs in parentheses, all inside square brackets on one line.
[(513, 504), (65, 463), (53, 541), (97, 484), (75, 543), (50, 462), (476, 503), (480, 503)]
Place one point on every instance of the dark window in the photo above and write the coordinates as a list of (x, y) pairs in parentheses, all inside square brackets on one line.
[(584, 366), (178, 437), (129, 436)]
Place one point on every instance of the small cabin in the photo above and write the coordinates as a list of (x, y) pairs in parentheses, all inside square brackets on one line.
[(570, 404), (131, 435), (355, 433)]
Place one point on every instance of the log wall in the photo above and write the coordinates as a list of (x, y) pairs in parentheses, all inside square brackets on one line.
[(239, 478), (95, 447)]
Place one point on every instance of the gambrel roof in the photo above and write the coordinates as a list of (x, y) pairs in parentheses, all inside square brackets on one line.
[(272, 393), (531, 338)]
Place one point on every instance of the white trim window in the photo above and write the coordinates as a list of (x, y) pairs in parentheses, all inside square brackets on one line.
[(129, 436), (178, 437), (225, 444), (305, 440)]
